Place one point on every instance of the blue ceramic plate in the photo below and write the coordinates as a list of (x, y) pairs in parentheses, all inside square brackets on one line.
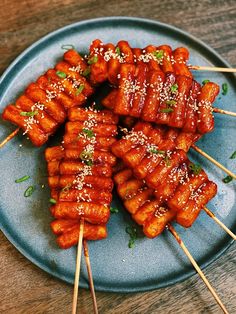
[(150, 264)]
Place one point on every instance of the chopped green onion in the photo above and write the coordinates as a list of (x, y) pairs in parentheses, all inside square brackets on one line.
[(205, 81), (86, 157), (167, 110), (93, 60), (29, 113), (132, 232), (156, 151), (174, 88), (67, 187), (61, 74), (167, 160), (22, 179), (29, 191), (79, 89), (171, 102), (159, 54), (227, 179), (68, 47), (89, 162), (224, 89), (195, 168), (117, 51), (52, 201), (114, 210), (86, 72), (233, 156), (88, 132)]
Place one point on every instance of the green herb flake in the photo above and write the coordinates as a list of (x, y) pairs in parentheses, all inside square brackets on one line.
[(29, 113), (167, 160), (86, 72), (79, 89), (68, 47), (61, 74), (156, 151), (114, 210), (86, 157), (132, 232), (227, 179), (167, 110), (29, 191), (233, 156), (93, 60), (89, 162), (195, 168), (67, 187), (171, 102), (205, 81), (224, 89), (117, 51), (52, 201), (159, 54), (174, 88), (88, 132), (22, 179)]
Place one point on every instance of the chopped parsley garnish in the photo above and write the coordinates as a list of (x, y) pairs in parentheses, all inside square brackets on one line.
[(86, 72), (29, 113), (93, 60), (158, 54), (196, 169), (22, 179), (117, 51), (29, 191), (227, 179), (224, 89), (132, 232), (114, 210), (205, 81), (233, 156), (171, 102), (174, 88), (79, 89), (52, 201), (156, 151), (88, 132), (67, 47), (167, 110), (61, 74)]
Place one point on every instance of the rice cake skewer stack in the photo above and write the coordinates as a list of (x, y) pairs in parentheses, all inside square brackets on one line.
[(80, 173)]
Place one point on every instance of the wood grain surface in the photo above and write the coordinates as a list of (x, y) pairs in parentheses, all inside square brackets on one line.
[(24, 288)]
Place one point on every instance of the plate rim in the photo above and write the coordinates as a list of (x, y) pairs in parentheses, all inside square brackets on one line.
[(4, 77)]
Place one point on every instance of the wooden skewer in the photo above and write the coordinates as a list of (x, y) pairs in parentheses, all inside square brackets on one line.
[(197, 149), (210, 68), (195, 265), (7, 139), (220, 223), (77, 270), (230, 113), (90, 276)]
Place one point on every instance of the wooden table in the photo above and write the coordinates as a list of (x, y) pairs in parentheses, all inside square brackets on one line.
[(24, 288)]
